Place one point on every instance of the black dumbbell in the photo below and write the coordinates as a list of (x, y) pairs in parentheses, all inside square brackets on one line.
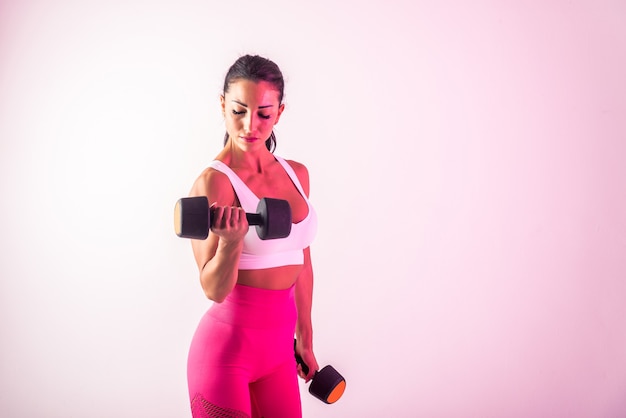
[(327, 384), (192, 218)]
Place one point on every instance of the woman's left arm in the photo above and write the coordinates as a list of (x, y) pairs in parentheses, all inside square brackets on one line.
[(304, 294), (304, 325)]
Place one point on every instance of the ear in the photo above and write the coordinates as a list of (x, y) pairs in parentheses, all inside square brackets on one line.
[(223, 105), (280, 112)]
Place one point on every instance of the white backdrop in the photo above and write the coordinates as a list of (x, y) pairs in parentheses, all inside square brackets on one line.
[(467, 165)]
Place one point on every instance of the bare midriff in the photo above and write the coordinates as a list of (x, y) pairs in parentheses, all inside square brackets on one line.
[(275, 278)]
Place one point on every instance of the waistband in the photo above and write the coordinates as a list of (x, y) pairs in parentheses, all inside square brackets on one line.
[(253, 307)]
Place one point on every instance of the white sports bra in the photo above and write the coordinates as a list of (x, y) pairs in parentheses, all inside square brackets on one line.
[(262, 254)]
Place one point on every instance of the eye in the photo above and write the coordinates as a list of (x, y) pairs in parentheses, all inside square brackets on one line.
[(264, 116), (238, 113)]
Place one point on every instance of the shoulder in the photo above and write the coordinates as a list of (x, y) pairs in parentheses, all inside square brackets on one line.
[(302, 172), (215, 185), (299, 168)]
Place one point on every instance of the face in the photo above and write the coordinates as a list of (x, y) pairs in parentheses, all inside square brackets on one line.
[(250, 111)]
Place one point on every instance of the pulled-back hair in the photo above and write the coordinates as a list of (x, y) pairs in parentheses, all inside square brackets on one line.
[(255, 69)]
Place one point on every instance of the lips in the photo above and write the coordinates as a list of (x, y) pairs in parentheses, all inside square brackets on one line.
[(249, 138)]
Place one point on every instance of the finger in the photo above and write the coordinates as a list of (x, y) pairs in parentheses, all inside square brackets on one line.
[(241, 213), (231, 220), (313, 367), (218, 216)]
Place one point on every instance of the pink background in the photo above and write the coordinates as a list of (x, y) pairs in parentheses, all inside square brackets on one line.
[(467, 163)]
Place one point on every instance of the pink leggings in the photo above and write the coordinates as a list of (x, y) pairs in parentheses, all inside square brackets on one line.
[(241, 362)]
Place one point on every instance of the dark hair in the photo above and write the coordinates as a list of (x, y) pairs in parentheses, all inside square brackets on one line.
[(256, 68)]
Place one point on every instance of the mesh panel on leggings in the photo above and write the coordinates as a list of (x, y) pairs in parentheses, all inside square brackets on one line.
[(201, 408)]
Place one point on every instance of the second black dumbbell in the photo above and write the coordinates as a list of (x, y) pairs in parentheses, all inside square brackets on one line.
[(327, 384), (192, 218)]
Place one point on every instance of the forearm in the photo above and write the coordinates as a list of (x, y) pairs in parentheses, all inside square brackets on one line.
[(218, 277), (304, 304)]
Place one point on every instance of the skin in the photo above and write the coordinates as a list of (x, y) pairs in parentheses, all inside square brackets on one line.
[(251, 110)]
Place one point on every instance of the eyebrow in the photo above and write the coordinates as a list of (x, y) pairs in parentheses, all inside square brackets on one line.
[(245, 105)]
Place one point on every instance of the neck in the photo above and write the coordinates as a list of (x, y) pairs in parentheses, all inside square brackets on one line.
[(253, 159)]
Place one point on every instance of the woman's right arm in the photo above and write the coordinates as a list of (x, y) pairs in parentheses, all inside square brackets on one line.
[(218, 255)]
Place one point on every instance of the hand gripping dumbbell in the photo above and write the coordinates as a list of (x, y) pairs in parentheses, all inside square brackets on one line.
[(327, 384), (193, 218)]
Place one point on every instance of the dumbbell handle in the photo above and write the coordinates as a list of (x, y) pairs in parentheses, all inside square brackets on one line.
[(302, 364), (253, 219)]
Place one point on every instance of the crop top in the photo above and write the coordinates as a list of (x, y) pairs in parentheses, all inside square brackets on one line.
[(262, 254)]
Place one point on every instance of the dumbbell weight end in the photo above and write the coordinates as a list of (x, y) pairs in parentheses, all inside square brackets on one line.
[(272, 220), (191, 218)]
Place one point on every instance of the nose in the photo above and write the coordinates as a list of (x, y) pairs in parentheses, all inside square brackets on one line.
[(249, 122)]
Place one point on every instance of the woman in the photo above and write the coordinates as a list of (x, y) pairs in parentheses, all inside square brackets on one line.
[(241, 361)]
